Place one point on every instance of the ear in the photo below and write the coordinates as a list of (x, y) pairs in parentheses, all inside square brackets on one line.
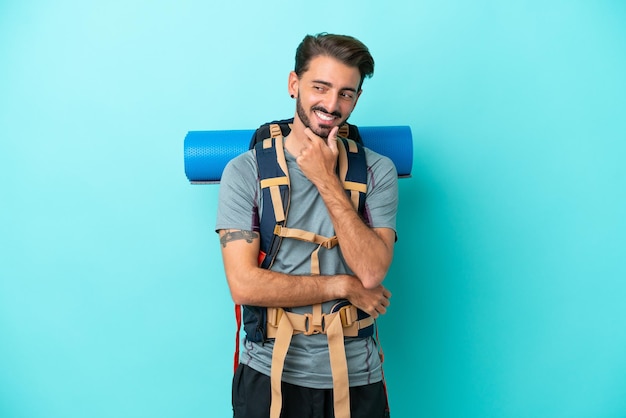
[(292, 84)]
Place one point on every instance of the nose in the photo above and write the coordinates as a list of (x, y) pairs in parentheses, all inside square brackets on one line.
[(331, 103)]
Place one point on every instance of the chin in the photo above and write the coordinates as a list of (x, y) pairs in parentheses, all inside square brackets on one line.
[(322, 131)]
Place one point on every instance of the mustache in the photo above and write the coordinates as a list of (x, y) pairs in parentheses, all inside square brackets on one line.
[(321, 109)]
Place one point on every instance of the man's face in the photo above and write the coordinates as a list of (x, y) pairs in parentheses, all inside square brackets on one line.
[(326, 94)]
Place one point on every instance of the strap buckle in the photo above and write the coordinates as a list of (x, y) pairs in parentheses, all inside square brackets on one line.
[(330, 242), (348, 315), (310, 327)]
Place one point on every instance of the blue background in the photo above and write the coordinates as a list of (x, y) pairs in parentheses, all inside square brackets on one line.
[(509, 275)]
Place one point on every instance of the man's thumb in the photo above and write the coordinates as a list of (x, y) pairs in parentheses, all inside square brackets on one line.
[(332, 139)]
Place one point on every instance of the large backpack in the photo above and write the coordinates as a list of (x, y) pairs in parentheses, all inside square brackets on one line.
[(262, 323)]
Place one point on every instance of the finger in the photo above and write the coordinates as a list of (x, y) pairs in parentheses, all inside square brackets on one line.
[(311, 135), (332, 139)]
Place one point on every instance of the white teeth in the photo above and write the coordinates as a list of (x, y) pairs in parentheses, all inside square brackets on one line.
[(324, 116)]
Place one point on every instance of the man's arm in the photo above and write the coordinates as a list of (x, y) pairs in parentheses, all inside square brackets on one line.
[(368, 251), (252, 285)]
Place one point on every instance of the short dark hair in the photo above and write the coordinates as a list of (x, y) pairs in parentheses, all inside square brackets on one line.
[(344, 48)]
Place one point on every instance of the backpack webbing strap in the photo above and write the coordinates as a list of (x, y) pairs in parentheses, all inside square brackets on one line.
[(275, 131), (238, 320), (308, 236), (279, 352), (344, 130), (382, 360), (339, 369), (274, 183)]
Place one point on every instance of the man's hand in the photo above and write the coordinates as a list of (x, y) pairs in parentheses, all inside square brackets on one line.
[(372, 301), (318, 157)]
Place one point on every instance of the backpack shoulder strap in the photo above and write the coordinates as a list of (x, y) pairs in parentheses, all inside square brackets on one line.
[(352, 167), (274, 182)]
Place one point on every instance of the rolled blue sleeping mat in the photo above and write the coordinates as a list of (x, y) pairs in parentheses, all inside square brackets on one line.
[(208, 152)]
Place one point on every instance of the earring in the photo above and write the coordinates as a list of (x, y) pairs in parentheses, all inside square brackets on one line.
[(293, 97)]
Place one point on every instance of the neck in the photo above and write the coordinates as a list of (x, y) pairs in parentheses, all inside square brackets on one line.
[(294, 142)]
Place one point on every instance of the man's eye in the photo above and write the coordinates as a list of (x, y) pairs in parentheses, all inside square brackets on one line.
[(347, 95)]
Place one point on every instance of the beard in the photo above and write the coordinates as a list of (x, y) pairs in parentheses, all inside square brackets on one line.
[(323, 130)]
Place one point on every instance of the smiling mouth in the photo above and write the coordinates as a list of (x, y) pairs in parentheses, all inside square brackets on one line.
[(324, 116)]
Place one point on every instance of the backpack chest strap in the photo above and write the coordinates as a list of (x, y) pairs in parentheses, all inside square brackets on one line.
[(308, 236)]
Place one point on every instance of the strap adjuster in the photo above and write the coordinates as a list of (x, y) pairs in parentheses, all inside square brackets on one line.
[(348, 315), (330, 242), (274, 316)]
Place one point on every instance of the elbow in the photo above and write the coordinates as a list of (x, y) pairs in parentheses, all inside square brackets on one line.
[(238, 298), (239, 291), (242, 296), (374, 276), (372, 283), (247, 285), (373, 279), (373, 273)]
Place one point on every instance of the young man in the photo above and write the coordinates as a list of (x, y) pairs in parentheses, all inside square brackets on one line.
[(326, 84)]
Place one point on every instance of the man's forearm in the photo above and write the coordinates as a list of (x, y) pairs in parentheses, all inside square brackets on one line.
[(270, 289), (367, 254), (251, 285), (260, 287)]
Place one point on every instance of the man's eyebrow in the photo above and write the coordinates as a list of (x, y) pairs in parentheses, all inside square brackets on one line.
[(326, 83)]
